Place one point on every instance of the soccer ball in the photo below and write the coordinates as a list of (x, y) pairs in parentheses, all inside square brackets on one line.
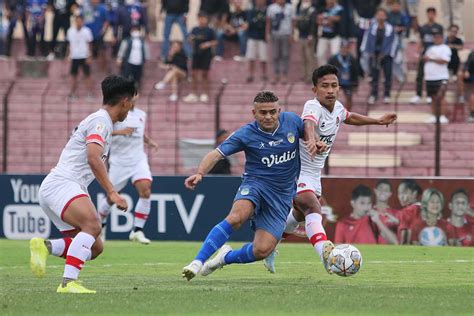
[(432, 236), (345, 260)]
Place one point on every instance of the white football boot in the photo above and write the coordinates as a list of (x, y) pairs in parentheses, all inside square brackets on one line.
[(327, 248), (192, 269), (217, 262), (139, 236)]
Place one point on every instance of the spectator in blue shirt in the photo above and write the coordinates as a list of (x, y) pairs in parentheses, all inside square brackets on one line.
[(96, 19), (15, 10), (35, 15)]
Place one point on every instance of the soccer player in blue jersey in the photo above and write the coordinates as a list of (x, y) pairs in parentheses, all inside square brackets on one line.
[(271, 146)]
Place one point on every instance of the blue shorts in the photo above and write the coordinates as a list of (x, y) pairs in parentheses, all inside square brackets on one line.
[(271, 207)]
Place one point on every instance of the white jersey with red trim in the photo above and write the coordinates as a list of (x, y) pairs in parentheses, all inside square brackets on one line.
[(73, 165), (327, 126), (129, 150)]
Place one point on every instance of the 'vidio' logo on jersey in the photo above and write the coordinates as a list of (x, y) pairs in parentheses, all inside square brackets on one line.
[(278, 159)]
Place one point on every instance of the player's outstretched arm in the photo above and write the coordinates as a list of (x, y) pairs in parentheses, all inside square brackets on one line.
[(359, 119), (386, 233), (311, 139), (147, 140), (207, 163), (94, 155)]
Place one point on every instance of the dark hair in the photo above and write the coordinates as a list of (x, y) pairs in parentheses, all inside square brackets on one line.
[(221, 132), (460, 191), (383, 10), (265, 97), (115, 88), (412, 185), (384, 181), (431, 9), (361, 190), (454, 25), (323, 71), (203, 14)]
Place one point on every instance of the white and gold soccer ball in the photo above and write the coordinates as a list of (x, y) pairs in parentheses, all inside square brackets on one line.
[(345, 260)]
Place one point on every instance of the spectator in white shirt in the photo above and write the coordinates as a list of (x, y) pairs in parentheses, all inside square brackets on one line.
[(436, 72), (132, 55), (80, 41)]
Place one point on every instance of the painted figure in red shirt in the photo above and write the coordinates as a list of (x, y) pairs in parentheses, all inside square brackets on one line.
[(408, 193), (388, 215), (363, 225), (431, 215), (458, 230)]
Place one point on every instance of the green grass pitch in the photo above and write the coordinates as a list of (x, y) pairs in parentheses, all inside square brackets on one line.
[(136, 279)]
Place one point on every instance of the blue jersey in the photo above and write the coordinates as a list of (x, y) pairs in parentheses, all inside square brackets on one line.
[(270, 157), (95, 18)]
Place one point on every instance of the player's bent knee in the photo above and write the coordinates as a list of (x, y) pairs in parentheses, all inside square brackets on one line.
[(234, 220), (93, 228), (145, 193), (262, 251)]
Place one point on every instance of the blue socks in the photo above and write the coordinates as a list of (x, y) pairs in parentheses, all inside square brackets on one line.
[(242, 255), (216, 238)]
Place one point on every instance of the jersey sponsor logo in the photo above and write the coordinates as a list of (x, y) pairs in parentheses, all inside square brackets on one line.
[(274, 143), (279, 159), (301, 185), (291, 137), (328, 139)]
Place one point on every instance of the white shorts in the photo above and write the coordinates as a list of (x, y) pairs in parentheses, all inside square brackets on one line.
[(119, 175), (310, 182), (55, 195), (256, 49)]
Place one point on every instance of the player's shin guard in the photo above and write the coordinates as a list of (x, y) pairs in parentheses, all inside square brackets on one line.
[(216, 238), (60, 247), (242, 255), (79, 252), (315, 232), (142, 210)]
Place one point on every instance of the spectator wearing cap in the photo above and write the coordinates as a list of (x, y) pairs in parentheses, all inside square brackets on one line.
[(426, 34), (223, 165), (436, 59), (380, 43), (347, 65)]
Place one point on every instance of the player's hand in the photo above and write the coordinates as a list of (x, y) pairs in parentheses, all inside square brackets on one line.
[(374, 216), (312, 147), (387, 119), (321, 146), (118, 200), (192, 181)]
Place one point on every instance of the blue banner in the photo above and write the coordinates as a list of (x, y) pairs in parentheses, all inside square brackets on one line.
[(176, 213)]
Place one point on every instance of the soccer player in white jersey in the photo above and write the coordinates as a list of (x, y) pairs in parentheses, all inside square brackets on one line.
[(323, 115), (63, 193), (128, 161)]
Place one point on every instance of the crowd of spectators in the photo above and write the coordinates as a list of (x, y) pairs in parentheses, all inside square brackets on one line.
[(363, 38)]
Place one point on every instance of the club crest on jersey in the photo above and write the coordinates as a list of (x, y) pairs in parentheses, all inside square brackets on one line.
[(244, 191), (291, 137)]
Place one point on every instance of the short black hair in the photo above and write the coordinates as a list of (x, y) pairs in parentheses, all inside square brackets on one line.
[(412, 185), (383, 181), (431, 9), (115, 88), (460, 191), (383, 10), (265, 96), (454, 25), (323, 71), (361, 190)]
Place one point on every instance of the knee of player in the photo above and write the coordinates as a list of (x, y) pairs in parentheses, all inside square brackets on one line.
[(93, 228), (145, 193), (262, 251), (234, 220)]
